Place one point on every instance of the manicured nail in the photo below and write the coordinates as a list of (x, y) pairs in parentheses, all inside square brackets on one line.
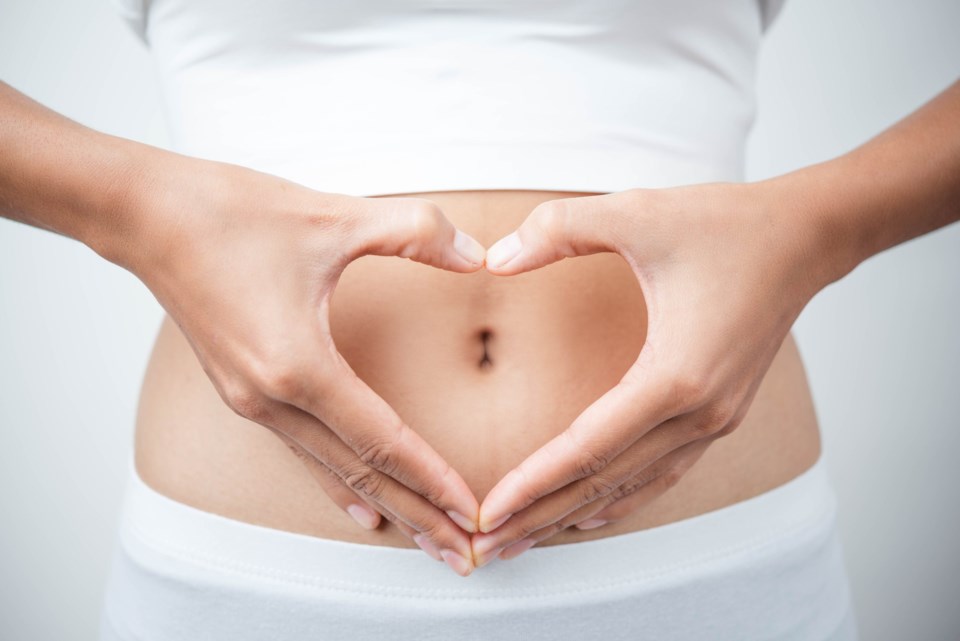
[(462, 521), (517, 549), (427, 546), (469, 248), (503, 250), (459, 564), (589, 524), (493, 526), (363, 515)]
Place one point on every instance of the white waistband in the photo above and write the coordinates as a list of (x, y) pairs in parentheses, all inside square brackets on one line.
[(799, 508)]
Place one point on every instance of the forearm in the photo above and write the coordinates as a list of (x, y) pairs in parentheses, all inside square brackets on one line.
[(903, 183), (59, 175)]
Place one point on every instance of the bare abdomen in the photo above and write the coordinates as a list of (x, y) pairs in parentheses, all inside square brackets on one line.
[(485, 368)]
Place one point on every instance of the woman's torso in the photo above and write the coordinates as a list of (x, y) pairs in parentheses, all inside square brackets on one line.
[(554, 339)]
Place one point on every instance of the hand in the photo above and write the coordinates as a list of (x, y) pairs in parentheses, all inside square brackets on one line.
[(725, 272), (246, 263)]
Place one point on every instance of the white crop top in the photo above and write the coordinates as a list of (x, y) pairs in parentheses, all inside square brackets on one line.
[(372, 97)]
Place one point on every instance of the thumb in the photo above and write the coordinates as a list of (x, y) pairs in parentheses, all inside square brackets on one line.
[(416, 228), (554, 230)]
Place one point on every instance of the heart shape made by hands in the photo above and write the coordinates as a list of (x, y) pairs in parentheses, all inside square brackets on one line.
[(488, 368)]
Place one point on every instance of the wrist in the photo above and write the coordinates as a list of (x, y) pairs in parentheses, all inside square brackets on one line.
[(147, 196), (117, 217), (815, 207)]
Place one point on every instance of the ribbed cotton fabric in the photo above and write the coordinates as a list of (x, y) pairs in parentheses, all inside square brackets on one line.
[(769, 568), (371, 97)]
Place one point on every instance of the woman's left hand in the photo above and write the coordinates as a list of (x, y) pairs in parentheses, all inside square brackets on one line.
[(725, 269)]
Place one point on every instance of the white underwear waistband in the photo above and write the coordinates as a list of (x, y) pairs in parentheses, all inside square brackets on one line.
[(802, 507)]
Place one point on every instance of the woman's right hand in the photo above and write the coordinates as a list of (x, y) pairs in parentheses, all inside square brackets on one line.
[(246, 263)]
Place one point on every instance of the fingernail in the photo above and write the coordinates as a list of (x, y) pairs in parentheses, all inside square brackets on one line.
[(589, 524), (426, 545), (493, 526), (517, 549), (459, 564), (503, 250), (483, 544), (462, 521), (468, 248), (486, 557), (363, 515)]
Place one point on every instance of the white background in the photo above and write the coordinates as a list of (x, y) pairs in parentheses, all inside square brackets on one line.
[(881, 346)]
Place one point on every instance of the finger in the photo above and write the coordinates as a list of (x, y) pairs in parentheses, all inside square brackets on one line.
[(641, 490), (416, 228), (377, 488), (557, 229), (678, 443), (338, 399), (605, 429), (335, 486), (381, 440), (635, 494), (348, 500), (566, 505), (652, 482), (420, 539)]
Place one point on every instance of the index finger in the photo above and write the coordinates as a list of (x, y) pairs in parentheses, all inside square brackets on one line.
[(607, 427)]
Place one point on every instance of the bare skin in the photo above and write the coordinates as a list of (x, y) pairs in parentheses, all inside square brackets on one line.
[(557, 339), (595, 410)]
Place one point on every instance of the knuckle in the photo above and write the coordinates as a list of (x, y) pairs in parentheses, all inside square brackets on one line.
[(367, 482), (685, 390), (379, 452), (596, 487), (248, 403), (426, 219), (524, 529), (590, 463), (733, 423), (284, 383), (628, 488), (272, 376), (434, 531), (549, 219), (554, 528), (714, 418)]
